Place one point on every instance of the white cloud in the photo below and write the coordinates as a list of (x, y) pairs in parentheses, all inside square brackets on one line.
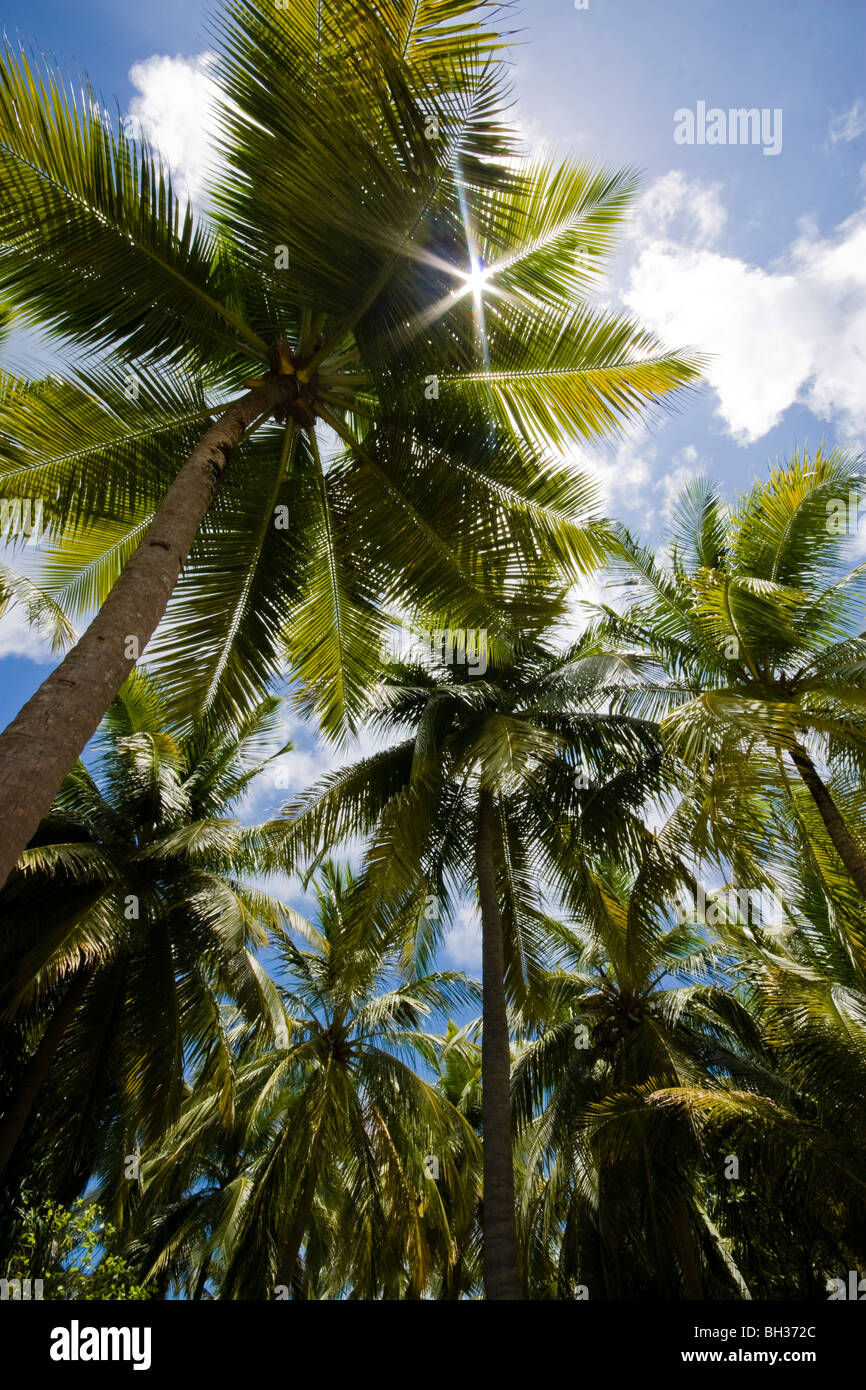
[(18, 638), (788, 334), (632, 481), (292, 773), (850, 124), (622, 480), (175, 111), (686, 464), (299, 769), (462, 945), (287, 888), (583, 599), (675, 206)]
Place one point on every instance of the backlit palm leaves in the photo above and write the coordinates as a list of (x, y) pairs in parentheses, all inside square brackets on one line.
[(485, 797), (126, 924), (365, 162), (335, 398), (676, 1090), (793, 1116), (341, 1170), (612, 1188), (756, 628)]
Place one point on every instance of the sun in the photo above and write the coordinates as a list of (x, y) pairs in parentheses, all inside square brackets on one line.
[(477, 279)]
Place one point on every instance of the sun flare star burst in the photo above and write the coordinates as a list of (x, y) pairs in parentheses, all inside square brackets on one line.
[(477, 279)]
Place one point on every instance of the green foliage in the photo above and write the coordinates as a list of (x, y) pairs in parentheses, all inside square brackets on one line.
[(409, 168), (73, 1251), (750, 647), (135, 891), (326, 1147), (258, 1132)]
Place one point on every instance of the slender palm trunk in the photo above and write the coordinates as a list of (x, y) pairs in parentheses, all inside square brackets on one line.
[(42, 743), (35, 1072), (846, 847), (687, 1251), (501, 1271)]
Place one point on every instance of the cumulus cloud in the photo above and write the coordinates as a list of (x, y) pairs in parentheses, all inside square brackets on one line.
[(174, 109), (850, 124), (780, 336), (623, 479), (641, 478), (680, 208), (293, 772), (685, 465), (310, 759), (18, 638)]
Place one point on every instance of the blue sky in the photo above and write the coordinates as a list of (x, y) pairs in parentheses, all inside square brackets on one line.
[(759, 259)]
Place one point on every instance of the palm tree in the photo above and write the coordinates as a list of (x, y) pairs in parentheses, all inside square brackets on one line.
[(409, 287), (497, 780), (755, 627), (331, 1145), (455, 1057), (794, 1114), (615, 1184), (126, 925)]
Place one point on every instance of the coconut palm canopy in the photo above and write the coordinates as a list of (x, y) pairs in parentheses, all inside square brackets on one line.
[(340, 395), (393, 447)]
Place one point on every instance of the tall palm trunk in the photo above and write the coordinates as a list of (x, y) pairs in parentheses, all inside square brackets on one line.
[(35, 1072), (42, 743), (843, 842), (501, 1272), (687, 1251)]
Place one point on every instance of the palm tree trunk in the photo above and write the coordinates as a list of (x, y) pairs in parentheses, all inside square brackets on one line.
[(501, 1272), (43, 742), (687, 1251), (35, 1072), (843, 842)]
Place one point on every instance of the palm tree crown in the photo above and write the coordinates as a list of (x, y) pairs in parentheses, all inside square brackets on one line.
[(753, 634), (122, 992), (396, 449)]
